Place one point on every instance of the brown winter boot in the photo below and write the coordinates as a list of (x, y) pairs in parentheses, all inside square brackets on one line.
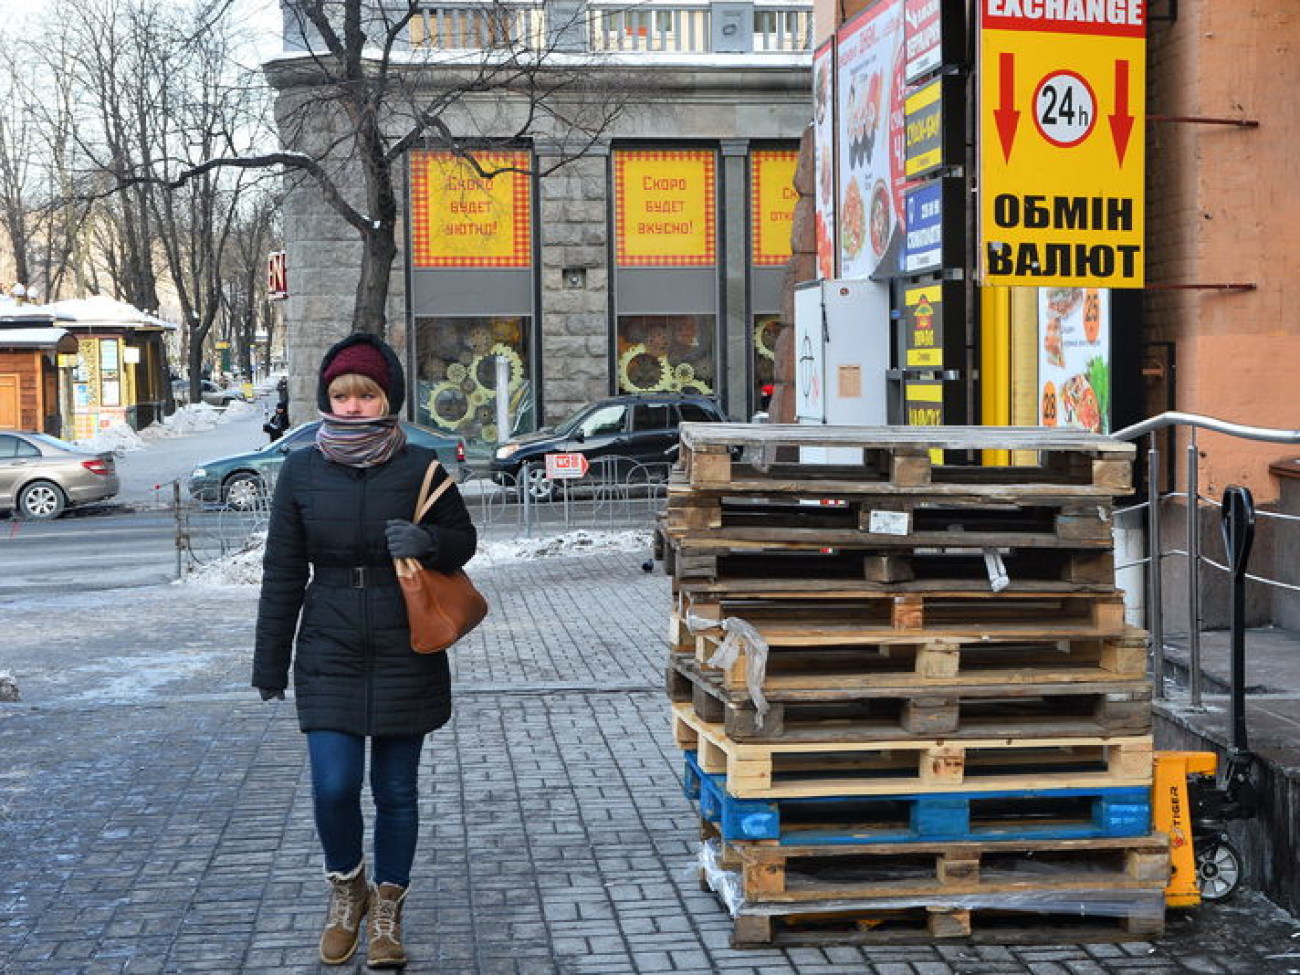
[(349, 899), (386, 949)]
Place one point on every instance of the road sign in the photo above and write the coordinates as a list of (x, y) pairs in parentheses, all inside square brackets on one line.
[(1062, 142), (560, 467)]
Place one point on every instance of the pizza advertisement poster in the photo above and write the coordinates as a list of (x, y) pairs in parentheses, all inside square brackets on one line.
[(772, 200), (665, 204), (1074, 358), (461, 218), (869, 82)]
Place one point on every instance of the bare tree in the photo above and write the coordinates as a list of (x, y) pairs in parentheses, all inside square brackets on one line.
[(364, 97)]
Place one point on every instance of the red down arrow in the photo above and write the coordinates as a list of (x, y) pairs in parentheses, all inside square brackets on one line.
[(1005, 115), (1121, 121)]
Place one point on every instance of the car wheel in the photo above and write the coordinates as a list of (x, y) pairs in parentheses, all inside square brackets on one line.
[(244, 492), (41, 501), (538, 485)]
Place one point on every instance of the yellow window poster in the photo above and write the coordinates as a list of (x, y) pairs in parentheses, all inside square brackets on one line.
[(772, 200), (665, 203), (462, 219)]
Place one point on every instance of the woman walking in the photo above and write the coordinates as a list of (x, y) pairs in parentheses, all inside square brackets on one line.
[(338, 519)]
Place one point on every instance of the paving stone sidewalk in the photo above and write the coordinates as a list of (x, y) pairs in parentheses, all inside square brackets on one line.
[(155, 818)]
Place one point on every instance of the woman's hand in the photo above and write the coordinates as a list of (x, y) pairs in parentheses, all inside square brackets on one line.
[(408, 541)]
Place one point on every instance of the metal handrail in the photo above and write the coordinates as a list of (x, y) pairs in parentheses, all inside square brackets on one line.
[(1155, 610)]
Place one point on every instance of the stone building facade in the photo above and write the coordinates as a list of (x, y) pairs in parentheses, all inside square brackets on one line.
[(575, 309)]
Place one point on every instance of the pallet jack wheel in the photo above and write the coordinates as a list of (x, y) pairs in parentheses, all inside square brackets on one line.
[(1218, 869)]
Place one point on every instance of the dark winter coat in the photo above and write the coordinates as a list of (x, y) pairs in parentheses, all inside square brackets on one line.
[(353, 666)]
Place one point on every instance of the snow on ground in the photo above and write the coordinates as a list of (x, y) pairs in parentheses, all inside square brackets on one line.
[(244, 568), (194, 418)]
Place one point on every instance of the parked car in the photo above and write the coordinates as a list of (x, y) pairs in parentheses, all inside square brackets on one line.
[(243, 481), (210, 392), (42, 476), (614, 434)]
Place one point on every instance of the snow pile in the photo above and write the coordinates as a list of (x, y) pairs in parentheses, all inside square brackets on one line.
[(559, 546), (239, 407), (194, 418), (244, 568), (118, 439)]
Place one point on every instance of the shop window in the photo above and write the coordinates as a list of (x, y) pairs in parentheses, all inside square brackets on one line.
[(456, 375), (766, 330), (666, 354)]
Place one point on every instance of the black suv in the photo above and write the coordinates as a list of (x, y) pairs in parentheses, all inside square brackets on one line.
[(621, 436)]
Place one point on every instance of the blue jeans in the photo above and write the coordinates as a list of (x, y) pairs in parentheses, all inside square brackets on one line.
[(337, 770)]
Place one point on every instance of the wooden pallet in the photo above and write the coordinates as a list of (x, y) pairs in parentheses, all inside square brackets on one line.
[(791, 769), (996, 816), (831, 620), (1088, 917), (831, 711), (917, 662), (761, 458), (731, 567), (703, 516), (772, 873)]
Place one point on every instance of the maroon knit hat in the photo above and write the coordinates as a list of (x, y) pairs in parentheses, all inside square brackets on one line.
[(362, 359)]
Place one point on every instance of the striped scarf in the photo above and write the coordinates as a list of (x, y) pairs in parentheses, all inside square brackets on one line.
[(359, 441)]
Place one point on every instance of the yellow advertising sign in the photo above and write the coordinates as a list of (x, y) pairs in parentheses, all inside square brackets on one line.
[(772, 203), (665, 203), (1062, 142), (461, 219)]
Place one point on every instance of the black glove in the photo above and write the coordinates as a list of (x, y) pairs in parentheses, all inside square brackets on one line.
[(407, 541), (269, 693)]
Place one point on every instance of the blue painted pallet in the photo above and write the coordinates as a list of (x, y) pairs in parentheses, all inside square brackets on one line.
[(1018, 814)]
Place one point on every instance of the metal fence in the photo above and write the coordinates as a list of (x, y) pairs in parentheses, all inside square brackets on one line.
[(616, 493)]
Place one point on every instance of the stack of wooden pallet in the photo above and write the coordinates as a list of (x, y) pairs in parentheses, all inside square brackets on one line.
[(909, 700)]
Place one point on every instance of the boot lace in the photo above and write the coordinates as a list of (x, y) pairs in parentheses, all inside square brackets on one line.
[(343, 906), (383, 919)]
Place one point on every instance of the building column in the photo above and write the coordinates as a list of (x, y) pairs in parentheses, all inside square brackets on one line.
[(572, 362), (733, 367)]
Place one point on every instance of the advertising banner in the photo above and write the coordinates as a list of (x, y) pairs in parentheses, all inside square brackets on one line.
[(934, 215), (1074, 358), (1062, 143), (924, 50), (869, 79), (923, 327), (464, 220), (824, 154), (665, 206), (772, 200)]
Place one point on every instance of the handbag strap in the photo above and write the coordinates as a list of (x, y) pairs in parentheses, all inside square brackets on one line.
[(425, 502)]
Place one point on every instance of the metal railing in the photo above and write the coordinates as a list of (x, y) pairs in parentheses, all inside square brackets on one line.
[(616, 493), (1194, 502), (611, 26), (480, 26)]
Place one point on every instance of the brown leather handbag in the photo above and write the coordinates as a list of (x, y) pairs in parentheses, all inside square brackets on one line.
[(441, 607)]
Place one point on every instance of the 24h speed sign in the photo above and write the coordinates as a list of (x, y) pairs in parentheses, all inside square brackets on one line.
[(1061, 142)]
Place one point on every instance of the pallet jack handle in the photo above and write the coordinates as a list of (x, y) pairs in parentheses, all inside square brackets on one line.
[(1238, 535)]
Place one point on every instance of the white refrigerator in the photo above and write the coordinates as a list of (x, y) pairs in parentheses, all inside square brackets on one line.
[(842, 341)]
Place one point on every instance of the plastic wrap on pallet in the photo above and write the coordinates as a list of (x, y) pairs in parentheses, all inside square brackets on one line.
[(997, 570), (724, 883), (742, 637), (1078, 902)]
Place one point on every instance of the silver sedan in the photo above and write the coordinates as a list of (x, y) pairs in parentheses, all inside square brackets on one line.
[(41, 476)]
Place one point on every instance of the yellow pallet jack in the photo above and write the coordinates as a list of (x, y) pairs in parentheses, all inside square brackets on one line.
[(1188, 804)]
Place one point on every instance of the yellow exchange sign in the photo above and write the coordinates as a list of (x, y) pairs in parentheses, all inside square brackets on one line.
[(1062, 142)]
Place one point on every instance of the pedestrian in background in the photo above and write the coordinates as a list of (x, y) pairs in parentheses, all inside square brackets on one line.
[(338, 519)]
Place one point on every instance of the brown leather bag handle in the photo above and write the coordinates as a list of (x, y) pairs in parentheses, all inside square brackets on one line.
[(425, 502)]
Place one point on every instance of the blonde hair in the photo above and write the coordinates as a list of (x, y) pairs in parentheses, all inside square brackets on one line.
[(355, 384)]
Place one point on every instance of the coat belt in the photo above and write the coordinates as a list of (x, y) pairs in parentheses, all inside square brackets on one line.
[(354, 576)]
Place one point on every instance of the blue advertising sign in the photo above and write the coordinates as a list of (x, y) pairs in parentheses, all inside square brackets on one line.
[(923, 208)]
